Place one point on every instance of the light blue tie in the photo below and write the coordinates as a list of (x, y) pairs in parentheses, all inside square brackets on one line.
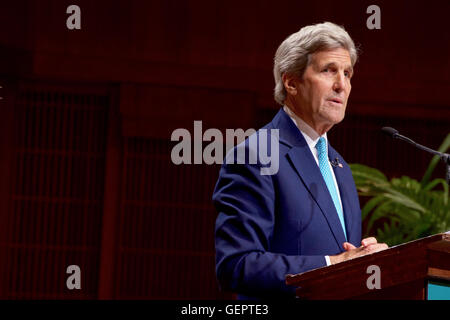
[(324, 166)]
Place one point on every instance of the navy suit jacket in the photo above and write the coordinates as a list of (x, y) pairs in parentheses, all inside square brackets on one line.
[(269, 226)]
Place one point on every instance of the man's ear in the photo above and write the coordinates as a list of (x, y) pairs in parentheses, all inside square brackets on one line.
[(290, 84)]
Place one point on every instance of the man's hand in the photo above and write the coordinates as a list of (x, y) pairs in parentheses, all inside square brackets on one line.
[(368, 246)]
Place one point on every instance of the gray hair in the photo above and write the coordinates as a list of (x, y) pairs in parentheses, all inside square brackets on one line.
[(293, 54)]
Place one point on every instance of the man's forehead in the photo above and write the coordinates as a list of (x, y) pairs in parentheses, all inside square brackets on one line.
[(338, 55)]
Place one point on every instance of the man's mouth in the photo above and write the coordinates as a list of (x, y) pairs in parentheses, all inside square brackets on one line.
[(336, 100)]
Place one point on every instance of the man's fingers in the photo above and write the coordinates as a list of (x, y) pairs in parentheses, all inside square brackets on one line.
[(348, 246), (375, 247), (368, 241), (352, 252)]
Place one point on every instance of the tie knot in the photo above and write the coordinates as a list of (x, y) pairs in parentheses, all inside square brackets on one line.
[(321, 146)]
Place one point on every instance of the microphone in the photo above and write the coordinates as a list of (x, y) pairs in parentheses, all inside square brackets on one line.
[(445, 157), (390, 131)]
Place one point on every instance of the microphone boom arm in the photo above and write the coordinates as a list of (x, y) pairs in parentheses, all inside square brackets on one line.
[(445, 157)]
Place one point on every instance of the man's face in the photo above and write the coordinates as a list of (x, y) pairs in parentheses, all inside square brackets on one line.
[(323, 91)]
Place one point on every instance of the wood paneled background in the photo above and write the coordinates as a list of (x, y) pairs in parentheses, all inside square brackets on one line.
[(87, 115)]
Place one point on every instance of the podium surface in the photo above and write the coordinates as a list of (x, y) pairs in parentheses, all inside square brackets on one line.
[(418, 270)]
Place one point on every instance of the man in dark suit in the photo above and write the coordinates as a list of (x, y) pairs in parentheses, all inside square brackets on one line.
[(307, 214)]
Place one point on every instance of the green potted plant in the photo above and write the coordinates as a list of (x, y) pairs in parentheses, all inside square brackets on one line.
[(403, 209)]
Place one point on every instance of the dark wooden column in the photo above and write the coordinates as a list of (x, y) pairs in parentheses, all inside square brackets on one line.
[(6, 150), (111, 202)]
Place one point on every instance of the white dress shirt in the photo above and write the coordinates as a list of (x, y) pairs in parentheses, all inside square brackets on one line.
[(312, 137)]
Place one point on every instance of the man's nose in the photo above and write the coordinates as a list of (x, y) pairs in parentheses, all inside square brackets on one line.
[(339, 82)]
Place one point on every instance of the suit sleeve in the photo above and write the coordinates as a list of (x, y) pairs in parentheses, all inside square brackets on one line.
[(245, 201)]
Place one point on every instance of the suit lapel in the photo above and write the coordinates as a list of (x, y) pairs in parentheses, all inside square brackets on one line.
[(304, 164)]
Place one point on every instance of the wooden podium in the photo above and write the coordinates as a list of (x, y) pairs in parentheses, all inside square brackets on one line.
[(413, 270)]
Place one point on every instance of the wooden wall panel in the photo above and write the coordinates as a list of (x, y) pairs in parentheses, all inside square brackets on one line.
[(156, 111), (56, 193), (230, 44), (166, 236)]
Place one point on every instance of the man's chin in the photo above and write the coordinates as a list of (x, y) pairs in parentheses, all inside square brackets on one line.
[(335, 119)]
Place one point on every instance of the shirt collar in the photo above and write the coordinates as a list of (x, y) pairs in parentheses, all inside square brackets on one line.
[(310, 135)]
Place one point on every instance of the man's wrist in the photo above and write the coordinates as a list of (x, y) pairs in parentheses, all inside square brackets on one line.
[(335, 259)]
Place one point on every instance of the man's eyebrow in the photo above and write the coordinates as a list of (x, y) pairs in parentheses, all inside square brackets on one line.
[(332, 63)]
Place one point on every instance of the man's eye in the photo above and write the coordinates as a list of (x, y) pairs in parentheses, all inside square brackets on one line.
[(325, 70)]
